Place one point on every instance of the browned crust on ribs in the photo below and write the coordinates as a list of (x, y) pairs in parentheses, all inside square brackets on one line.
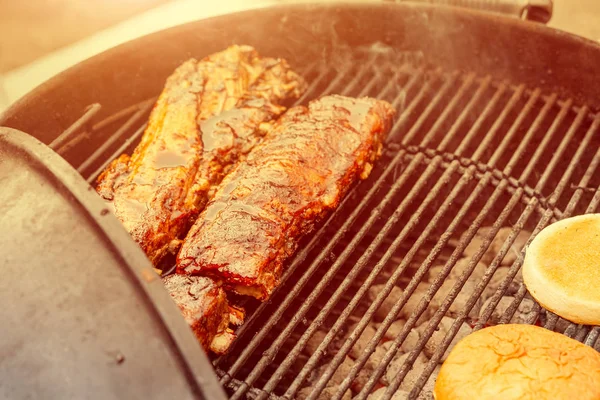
[(210, 114), (282, 190), (203, 304)]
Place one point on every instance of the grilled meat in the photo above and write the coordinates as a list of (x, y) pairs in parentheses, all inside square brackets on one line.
[(204, 306), (210, 114), (282, 190)]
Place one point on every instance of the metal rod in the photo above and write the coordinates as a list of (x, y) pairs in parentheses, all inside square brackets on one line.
[(516, 265), (362, 262), (130, 140), (299, 259), (135, 118), (257, 339), (388, 287), (63, 139), (122, 114), (274, 348), (450, 263)]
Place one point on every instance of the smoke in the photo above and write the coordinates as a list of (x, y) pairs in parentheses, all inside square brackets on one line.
[(324, 34)]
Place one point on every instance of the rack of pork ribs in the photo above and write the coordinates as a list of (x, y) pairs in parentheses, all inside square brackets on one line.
[(227, 182)]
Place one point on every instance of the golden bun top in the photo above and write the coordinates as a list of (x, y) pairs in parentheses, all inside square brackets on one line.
[(519, 362), (562, 268)]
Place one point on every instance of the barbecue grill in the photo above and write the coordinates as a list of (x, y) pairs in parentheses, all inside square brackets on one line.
[(496, 137)]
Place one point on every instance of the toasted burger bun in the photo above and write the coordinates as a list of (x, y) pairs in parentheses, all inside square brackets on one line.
[(562, 268), (507, 362)]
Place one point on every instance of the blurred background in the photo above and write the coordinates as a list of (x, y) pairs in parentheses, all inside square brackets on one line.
[(40, 38)]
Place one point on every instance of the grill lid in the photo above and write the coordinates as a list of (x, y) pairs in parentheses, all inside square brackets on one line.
[(72, 298)]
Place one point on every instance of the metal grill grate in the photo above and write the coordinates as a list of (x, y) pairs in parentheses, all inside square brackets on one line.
[(468, 157)]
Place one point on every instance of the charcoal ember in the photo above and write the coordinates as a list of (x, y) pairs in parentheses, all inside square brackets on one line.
[(497, 244), (338, 376), (372, 363), (395, 366), (453, 243), (394, 330), (473, 247), (499, 277), (363, 340), (523, 314), (410, 380), (314, 342), (460, 302), (379, 394), (434, 272), (498, 312), (515, 249), (463, 264), (387, 305), (326, 394), (411, 339), (562, 325), (438, 336), (427, 391), (394, 296), (413, 302)]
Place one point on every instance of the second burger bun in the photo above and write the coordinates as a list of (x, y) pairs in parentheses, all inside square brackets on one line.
[(562, 268), (524, 362)]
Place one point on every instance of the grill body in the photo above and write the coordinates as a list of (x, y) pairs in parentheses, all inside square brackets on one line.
[(496, 137)]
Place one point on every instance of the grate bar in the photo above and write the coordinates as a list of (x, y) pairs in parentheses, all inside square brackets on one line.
[(486, 113), (428, 110), (362, 262), (136, 135), (446, 270), (387, 289), (339, 79), (334, 364), (414, 282), (299, 259), (588, 177), (595, 200), (64, 139), (405, 262), (257, 339), (123, 113), (593, 336), (568, 137), (564, 110), (274, 348), (516, 265), (449, 108), (314, 85), (143, 109), (479, 289), (585, 180), (403, 118)]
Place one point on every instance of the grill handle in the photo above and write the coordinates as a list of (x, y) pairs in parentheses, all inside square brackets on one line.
[(533, 10)]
